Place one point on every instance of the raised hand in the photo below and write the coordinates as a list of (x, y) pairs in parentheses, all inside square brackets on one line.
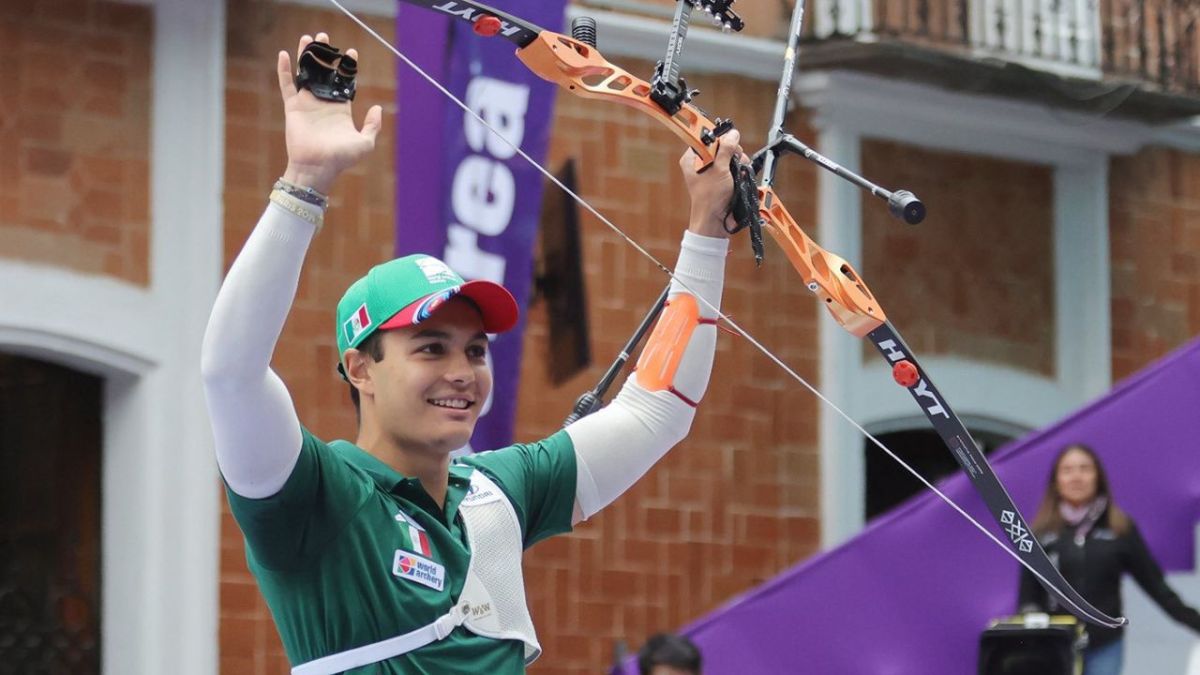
[(712, 189), (322, 140)]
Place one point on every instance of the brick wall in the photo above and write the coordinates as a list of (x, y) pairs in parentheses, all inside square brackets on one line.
[(976, 279), (74, 132), (1154, 225)]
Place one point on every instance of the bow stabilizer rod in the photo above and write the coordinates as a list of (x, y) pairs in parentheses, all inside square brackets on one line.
[(593, 399)]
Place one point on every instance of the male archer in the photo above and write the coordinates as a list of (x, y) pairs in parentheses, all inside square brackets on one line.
[(384, 555)]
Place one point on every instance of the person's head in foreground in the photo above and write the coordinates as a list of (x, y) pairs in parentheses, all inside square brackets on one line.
[(413, 340), (669, 654)]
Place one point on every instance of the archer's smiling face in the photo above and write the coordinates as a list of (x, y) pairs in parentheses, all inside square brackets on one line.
[(433, 380)]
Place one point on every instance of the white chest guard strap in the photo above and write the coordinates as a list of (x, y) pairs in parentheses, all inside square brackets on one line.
[(492, 603), (495, 587)]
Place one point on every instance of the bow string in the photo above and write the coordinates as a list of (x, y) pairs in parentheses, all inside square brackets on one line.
[(574, 63)]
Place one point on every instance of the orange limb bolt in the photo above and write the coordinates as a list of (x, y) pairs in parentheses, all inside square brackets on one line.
[(487, 26), (906, 374)]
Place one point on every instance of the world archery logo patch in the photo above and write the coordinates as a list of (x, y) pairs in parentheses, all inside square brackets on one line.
[(436, 271), (415, 568), (430, 305), (357, 323)]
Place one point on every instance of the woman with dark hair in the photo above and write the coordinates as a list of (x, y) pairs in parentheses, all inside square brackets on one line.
[(1093, 543)]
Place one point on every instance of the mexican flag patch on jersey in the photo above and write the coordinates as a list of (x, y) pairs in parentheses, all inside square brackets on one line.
[(417, 540)]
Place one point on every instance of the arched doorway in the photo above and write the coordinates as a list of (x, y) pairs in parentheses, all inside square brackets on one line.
[(888, 484), (50, 514)]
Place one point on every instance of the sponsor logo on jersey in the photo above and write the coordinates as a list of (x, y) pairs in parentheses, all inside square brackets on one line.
[(477, 495), (421, 570)]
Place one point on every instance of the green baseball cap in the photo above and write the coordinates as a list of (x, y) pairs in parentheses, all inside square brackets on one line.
[(407, 291)]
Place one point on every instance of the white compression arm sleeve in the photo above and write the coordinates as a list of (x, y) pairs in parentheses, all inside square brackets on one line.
[(255, 427), (616, 446)]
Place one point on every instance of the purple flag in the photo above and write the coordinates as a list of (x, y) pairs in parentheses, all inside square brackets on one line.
[(463, 193)]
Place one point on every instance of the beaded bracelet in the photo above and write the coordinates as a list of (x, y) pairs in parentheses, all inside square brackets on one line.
[(299, 207), (302, 193)]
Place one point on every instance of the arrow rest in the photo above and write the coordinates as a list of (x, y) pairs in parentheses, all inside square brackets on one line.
[(710, 136)]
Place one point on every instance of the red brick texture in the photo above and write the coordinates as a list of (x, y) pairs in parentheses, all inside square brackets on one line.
[(1154, 225), (976, 279), (74, 129)]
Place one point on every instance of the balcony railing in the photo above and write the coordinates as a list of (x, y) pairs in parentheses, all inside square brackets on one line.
[(1153, 41)]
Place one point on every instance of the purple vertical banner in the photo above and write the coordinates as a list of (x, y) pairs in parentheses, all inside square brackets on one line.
[(464, 194), (423, 36)]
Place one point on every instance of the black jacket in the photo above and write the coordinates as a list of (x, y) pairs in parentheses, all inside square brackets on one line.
[(1095, 570)]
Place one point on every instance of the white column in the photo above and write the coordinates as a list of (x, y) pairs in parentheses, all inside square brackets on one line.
[(161, 490), (1082, 290), (839, 230)]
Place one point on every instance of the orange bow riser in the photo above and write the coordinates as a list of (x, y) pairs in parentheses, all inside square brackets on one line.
[(826, 274)]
